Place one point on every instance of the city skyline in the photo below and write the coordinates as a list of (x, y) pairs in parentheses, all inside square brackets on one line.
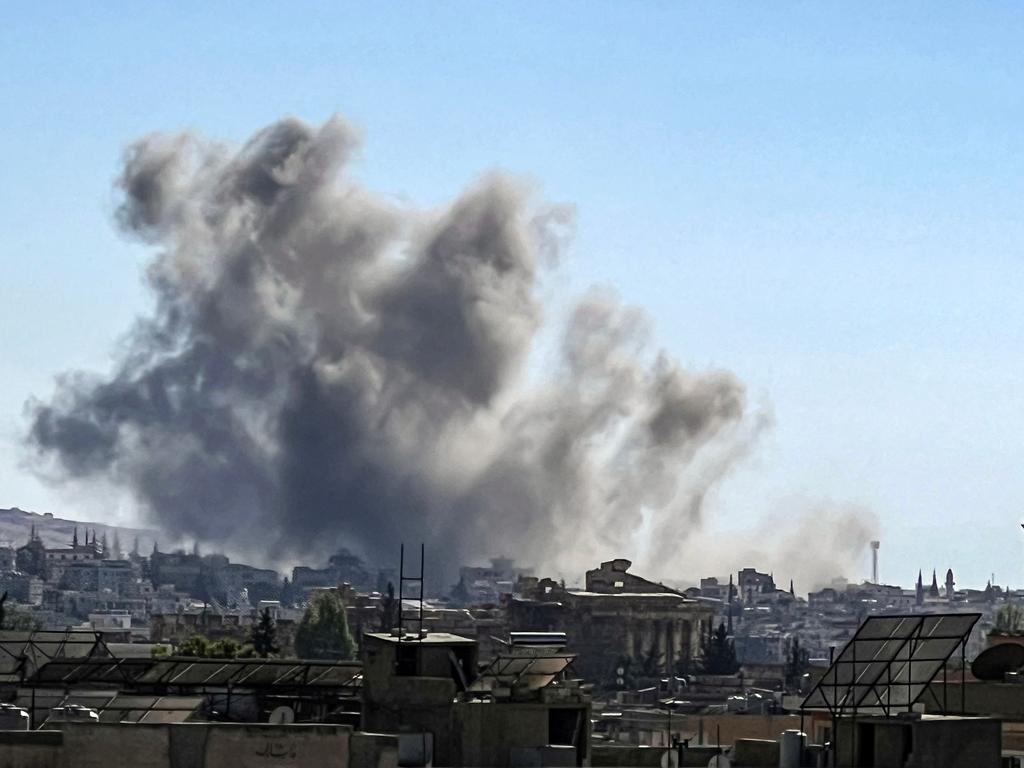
[(839, 225)]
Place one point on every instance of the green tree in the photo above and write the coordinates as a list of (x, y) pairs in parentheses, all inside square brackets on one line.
[(16, 619), (1009, 620), (264, 635), (796, 664), (718, 653), (197, 646), (200, 647), (323, 631), (388, 614), (225, 648)]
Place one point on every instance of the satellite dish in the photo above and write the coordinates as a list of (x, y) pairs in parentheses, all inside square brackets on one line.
[(993, 663), (719, 761), (282, 716)]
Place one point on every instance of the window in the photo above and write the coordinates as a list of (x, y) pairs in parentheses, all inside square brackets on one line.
[(406, 660), (563, 726)]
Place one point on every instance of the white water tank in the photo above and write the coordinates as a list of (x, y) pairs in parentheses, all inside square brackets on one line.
[(791, 747), (73, 713)]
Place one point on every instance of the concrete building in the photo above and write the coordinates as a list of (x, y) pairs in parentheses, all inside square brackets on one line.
[(619, 617), (483, 585), (427, 689), (199, 745), (750, 583), (920, 741)]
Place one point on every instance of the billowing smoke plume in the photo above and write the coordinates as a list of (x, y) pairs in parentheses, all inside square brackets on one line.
[(325, 369)]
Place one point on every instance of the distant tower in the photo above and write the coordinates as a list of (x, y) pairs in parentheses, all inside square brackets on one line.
[(729, 611), (74, 538), (874, 561), (934, 590), (919, 591), (949, 585)]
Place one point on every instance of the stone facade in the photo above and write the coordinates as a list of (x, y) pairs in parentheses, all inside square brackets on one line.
[(620, 619)]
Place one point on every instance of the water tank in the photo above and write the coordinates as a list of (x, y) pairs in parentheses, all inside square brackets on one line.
[(791, 746), (13, 718), (736, 703), (73, 713), (538, 639)]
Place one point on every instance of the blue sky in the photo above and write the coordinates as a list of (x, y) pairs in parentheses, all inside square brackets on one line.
[(824, 198)]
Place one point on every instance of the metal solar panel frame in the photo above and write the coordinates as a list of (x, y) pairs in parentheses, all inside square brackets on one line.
[(511, 669), (890, 663), (189, 673), (22, 654)]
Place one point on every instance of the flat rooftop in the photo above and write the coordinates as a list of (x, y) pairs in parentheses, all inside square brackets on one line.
[(624, 595)]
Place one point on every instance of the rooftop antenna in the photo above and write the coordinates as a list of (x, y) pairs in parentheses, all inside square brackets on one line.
[(402, 578)]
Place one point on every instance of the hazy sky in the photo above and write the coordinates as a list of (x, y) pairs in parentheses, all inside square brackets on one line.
[(825, 199)]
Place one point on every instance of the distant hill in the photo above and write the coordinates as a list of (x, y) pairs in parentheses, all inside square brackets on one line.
[(16, 527)]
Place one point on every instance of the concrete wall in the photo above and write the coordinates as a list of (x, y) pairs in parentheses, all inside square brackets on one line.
[(615, 755), (932, 742), (30, 749), (373, 750), (196, 745), (95, 745), (487, 732), (755, 752), (733, 727), (955, 743)]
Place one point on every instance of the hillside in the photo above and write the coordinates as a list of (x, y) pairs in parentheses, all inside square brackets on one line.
[(16, 526)]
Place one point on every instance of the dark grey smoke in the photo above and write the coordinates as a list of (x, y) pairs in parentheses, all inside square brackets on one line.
[(323, 368)]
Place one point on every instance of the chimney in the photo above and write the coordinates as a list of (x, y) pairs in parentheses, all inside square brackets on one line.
[(874, 562)]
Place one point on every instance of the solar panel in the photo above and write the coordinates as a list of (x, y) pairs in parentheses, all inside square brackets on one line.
[(889, 662), (255, 673), (533, 670), (22, 653)]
